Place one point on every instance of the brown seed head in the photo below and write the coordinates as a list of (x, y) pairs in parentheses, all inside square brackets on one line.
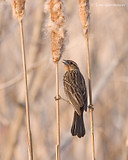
[(57, 26), (18, 9), (84, 14)]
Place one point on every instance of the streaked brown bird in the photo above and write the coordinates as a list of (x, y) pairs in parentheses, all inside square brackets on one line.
[(75, 90)]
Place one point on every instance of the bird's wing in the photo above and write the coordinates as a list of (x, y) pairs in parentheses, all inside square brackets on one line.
[(72, 98), (73, 89), (83, 89)]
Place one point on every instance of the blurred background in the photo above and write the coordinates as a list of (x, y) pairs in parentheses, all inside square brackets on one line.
[(108, 37)]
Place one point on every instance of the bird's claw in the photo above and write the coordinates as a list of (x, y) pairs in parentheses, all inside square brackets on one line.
[(57, 98), (91, 107)]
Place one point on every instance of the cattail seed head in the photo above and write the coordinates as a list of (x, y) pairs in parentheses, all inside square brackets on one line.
[(18, 9), (84, 14), (57, 27)]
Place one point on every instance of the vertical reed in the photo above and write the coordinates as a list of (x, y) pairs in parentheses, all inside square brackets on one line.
[(84, 17), (57, 26), (18, 11)]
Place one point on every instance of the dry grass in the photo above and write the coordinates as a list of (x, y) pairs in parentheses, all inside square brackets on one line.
[(108, 43), (18, 10), (57, 26), (84, 16)]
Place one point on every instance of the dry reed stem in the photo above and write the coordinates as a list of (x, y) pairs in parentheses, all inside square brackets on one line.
[(90, 98), (20, 115), (18, 11), (57, 113), (29, 138), (84, 16), (20, 76), (57, 26), (14, 132)]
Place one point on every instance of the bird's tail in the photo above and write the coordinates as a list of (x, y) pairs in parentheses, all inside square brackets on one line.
[(78, 125)]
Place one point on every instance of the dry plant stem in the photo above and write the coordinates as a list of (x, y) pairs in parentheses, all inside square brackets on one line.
[(20, 115), (84, 16), (57, 113), (14, 132), (57, 43), (29, 138), (90, 97), (19, 77)]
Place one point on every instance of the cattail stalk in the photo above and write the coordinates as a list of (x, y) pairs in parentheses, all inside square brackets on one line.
[(18, 11), (57, 113), (90, 99), (57, 26), (84, 16), (29, 137)]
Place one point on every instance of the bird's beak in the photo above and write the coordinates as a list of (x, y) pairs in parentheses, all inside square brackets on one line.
[(65, 62)]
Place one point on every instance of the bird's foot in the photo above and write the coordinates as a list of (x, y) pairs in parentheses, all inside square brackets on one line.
[(57, 98), (91, 107), (61, 98)]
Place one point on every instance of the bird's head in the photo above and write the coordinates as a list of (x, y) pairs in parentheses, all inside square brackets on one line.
[(70, 65)]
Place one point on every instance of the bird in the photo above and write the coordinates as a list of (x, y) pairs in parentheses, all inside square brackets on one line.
[(76, 92)]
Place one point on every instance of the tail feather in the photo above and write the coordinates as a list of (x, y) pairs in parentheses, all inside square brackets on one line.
[(78, 125)]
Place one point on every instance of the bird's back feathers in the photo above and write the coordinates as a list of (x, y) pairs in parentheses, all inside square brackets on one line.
[(75, 89)]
